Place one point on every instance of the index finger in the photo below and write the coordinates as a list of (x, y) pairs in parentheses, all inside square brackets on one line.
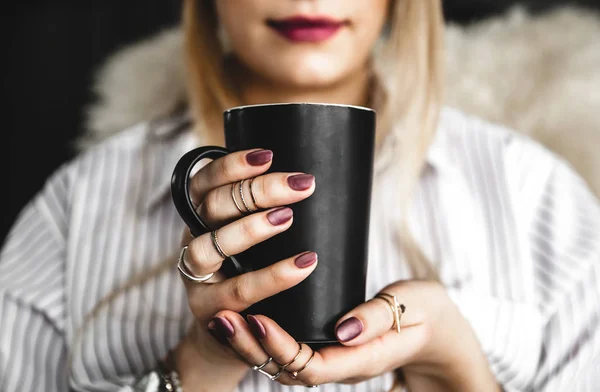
[(244, 290), (228, 169)]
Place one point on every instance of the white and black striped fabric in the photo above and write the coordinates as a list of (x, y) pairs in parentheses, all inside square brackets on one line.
[(513, 231)]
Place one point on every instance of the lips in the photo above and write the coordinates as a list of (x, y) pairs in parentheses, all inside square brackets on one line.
[(307, 29)]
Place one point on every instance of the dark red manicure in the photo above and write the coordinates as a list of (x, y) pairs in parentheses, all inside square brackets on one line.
[(218, 337), (215, 334), (301, 182), (349, 329), (224, 327), (280, 216), (259, 158), (306, 260), (256, 326)]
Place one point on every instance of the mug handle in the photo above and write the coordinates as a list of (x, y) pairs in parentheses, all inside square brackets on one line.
[(180, 186), (180, 192)]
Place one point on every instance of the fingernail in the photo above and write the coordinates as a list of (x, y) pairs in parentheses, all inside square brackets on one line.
[(301, 182), (224, 327), (259, 158), (349, 329), (280, 216), (256, 326), (306, 260), (218, 337)]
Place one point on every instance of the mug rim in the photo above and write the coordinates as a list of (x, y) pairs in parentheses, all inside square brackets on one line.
[(235, 108)]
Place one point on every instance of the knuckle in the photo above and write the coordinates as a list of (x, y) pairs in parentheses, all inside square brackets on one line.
[(259, 187), (313, 379), (199, 251), (277, 277), (245, 352), (220, 300), (196, 188), (427, 334), (240, 290), (273, 275), (209, 207), (227, 168), (249, 228)]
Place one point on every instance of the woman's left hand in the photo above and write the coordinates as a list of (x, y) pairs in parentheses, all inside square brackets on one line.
[(436, 348)]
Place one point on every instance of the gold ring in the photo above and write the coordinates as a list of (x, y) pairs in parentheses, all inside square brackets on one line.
[(252, 194), (234, 199), (215, 241), (294, 375), (283, 367), (396, 308)]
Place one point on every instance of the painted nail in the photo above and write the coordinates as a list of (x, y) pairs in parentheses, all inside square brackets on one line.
[(349, 329), (218, 337), (301, 182), (306, 260), (224, 327), (280, 216), (256, 326), (259, 158)]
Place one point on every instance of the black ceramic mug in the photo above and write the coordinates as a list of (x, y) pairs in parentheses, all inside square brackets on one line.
[(335, 143)]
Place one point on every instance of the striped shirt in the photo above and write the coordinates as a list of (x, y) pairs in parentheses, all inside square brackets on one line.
[(513, 231)]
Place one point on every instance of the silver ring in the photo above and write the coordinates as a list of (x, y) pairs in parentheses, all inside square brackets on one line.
[(396, 307), (234, 199), (244, 199), (183, 269), (259, 368), (215, 241), (252, 194)]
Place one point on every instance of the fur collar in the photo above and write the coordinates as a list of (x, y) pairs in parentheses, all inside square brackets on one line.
[(537, 74)]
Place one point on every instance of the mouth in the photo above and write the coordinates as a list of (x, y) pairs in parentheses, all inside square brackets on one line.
[(307, 29)]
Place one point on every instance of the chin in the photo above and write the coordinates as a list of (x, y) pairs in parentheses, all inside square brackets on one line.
[(307, 72)]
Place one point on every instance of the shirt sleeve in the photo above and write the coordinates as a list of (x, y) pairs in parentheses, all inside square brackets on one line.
[(33, 351), (565, 243)]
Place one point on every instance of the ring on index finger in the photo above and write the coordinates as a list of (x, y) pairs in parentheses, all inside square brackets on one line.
[(244, 199), (235, 200)]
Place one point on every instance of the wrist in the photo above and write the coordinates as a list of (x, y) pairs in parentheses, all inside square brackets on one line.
[(199, 371)]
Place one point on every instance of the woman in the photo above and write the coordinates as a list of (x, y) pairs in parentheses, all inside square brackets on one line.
[(489, 241)]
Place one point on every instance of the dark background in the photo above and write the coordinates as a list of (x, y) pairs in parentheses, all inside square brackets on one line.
[(50, 54)]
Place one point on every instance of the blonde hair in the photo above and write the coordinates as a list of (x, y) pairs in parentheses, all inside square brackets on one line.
[(408, 67)]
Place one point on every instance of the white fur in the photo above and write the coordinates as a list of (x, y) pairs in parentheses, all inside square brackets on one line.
[(539, 75)]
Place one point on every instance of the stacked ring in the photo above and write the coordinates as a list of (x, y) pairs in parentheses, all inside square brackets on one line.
[(244, 199), (252, 194), (283, 367), (235, 200), (215, 241), (396, 307), (294, 374)]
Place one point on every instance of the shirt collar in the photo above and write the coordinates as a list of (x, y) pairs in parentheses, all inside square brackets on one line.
[(166, 143)]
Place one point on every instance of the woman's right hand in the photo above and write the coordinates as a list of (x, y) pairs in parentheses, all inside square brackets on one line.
[(203, 359)]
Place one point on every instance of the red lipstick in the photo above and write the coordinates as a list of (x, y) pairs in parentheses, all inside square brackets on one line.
[(307, 29)]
